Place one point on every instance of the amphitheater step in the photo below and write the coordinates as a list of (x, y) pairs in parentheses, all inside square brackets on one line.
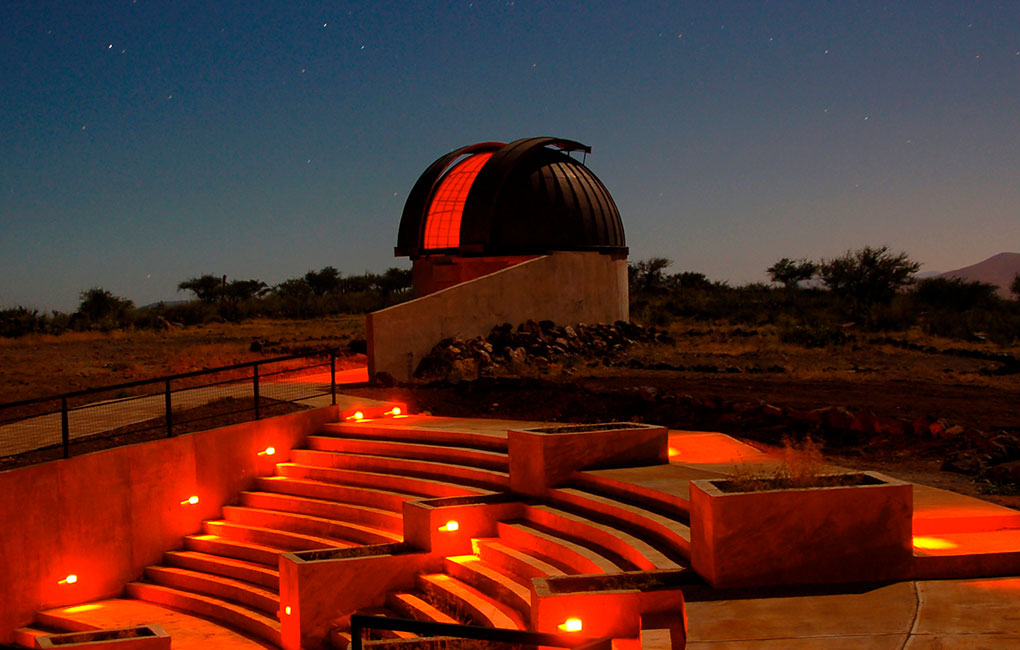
[(432, 451), (569, 555), (341, 531), (444, 436), (283, 539), (226, 567), (229, 589), (237, 549), (383, 499), (669, 535), (248, 620), (419, 487), (26, 636), (670, 506), (516, 561), (377, 634), (408, 605), (450, 472), (967, 555), (46, 624), (507, 589), (629, 552), (347, 512), (452, 595)]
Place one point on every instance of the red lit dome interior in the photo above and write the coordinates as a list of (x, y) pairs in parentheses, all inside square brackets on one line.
[(442, 222)]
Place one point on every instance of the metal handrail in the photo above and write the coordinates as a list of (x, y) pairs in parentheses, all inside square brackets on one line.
[(361, 622), (184, 375), (165, 382)]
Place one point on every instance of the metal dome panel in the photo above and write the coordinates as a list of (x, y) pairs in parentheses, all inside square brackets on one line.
[(529, 197)]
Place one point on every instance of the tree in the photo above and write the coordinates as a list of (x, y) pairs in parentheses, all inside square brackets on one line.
[(647, 275), (392, 281), (790, 273), (954, 294), (99, 306), (206, 288), (867, 277), (323, 281), (1014, 287)]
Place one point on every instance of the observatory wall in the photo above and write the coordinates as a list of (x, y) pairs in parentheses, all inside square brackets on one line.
[(564, 287)]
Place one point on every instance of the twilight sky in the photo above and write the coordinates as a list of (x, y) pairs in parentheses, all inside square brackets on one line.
[(145, 142)]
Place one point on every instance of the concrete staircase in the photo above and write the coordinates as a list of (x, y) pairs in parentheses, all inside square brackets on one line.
[(347, 488)]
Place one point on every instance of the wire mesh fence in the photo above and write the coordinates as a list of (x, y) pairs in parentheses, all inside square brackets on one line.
[(60, 426)]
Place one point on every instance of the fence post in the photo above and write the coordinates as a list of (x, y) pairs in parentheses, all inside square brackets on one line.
[(65, 429), (356, 635), (255, 388), (332, 376), (168, 406)]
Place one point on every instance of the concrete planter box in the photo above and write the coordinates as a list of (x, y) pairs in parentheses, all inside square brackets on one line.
[(854, 533), (616, 605), (546, 457), (142, 637)]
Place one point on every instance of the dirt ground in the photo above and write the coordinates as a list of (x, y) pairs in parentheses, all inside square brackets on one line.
[(945, 379)]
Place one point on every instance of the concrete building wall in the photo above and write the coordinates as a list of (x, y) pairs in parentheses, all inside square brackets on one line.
[(567, 288), (107, 515)]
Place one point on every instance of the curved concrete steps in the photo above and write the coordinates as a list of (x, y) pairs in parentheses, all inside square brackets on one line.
[(335, 533), (283, 539), (628, 551), (449, 472), (383, 499), (385, 635), (670, 537), (432, 451), (243, 618), (232, 548), (464, 601), (515, 561), (671, 506), (411, 433), (227, 567), (409, 605), (569, 555), (229, 589), (363, 515), (491, 581), (416, 486)]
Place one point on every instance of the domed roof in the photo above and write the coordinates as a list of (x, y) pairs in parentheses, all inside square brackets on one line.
[(526, 197)]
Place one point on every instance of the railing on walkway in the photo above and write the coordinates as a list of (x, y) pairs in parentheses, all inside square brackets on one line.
[(85, 420), (360, 622)]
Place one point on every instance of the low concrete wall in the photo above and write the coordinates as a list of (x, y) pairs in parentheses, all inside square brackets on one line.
[(570, 287), (107, 515)]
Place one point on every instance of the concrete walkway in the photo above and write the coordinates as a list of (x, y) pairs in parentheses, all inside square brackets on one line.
[(92, 419), (943, 614)]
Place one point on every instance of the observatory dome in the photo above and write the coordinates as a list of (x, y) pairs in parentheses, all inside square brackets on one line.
[(528, 197)]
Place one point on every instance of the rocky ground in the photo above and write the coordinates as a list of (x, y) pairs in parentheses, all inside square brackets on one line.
[(934, 411), (945, 416)]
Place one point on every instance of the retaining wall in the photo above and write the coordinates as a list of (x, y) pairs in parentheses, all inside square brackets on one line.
[(107, 515), (567, 288)]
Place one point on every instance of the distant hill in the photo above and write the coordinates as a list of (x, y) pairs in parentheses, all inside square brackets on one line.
[(998, 270)]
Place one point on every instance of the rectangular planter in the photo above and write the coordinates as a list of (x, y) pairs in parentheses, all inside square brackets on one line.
[(616, 606), (547, 457), (856, 533), (142, 637)]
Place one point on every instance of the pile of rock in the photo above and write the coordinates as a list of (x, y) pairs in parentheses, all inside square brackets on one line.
[(532, 346)]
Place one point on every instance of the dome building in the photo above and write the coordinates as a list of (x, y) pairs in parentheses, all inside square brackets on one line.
[(487, 206), (502, 233)]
